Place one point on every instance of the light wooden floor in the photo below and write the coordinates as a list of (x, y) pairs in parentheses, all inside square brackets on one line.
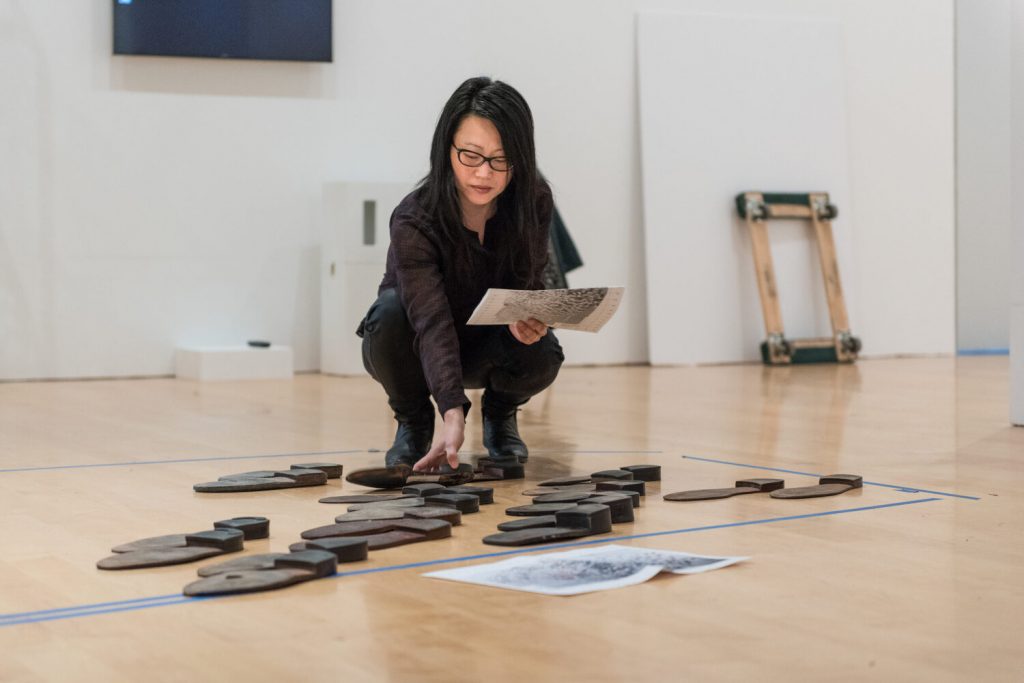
[(900, 585)]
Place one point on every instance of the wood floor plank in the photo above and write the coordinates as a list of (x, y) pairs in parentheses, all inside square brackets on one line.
[(896, 585)]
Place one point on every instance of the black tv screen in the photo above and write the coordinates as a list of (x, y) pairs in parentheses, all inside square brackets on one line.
[(296, 30)]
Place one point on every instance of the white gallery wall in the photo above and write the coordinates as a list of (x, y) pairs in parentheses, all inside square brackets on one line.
[(983, 254), (147, 203)]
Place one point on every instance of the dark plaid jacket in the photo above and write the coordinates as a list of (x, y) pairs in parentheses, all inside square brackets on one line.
[(420, 266)]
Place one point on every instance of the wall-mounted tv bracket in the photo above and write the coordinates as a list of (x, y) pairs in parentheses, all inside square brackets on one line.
[(757, 208)]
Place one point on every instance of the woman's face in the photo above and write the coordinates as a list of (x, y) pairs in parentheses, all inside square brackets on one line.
[(478, 185)]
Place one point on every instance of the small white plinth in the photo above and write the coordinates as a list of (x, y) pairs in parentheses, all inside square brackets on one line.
[(214, 363)]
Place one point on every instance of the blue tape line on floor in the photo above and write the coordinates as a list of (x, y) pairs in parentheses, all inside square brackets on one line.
[(57, 610), (133, 463), (177, 600), (174, 599), (905, 489), (558, 452), (983, 352), (650, 534)]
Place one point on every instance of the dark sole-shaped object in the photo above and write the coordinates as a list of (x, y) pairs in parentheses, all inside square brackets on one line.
[(538, 509), (247, 581), (621, 506), (743, 487), (392, 539), (244, 485), (167, 541), (399, 503), (447, 514), (564, 481), (445, 477), (632, 495), (157, 557), (226, 539), (463, 502), (380, 477), (595, 518), (374, 513), (534, 536), (320, 562), (343, 529), (332, 469), (386, 535), (258, 562), (381, 512), (709, 494), (285, 569), (485, 494), (563, 497), (545, 490), (499, 470), (365, 498), (422, 490), (832, 485), (617, 475), (612, 485), (301, 477), (387, 478), (346, 549), (536, 522), (263, 480), (252, 528), (644, 472), (433, 528)]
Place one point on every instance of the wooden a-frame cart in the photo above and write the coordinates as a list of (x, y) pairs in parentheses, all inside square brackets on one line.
[(759, 207)]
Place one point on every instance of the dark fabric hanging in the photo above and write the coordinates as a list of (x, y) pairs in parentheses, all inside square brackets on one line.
[(563, 257)]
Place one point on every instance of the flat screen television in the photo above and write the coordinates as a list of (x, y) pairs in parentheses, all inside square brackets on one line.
[(294, 30)]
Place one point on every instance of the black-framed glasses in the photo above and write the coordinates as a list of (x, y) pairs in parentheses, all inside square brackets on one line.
[(468, 157)]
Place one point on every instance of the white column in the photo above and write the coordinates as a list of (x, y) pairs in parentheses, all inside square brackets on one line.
[(1017, 213), (983, 192)]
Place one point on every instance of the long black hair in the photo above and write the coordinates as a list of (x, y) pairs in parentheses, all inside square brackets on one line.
[(520, 249)]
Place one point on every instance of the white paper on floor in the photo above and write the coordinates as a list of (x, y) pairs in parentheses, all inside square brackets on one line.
[(584, 570)]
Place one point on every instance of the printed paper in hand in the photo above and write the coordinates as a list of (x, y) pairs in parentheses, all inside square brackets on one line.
[(585, 309), (584, 570)]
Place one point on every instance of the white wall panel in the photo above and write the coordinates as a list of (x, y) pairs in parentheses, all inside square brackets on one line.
[(730, 104), (1017, 217)]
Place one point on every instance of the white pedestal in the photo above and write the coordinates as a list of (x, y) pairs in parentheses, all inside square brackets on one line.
[(354, 240), (213, 363)]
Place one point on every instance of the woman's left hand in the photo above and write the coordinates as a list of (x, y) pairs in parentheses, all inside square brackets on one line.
[(528, 331)]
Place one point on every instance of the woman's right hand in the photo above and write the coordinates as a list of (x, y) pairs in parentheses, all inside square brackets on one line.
[(447, 447), (528, 331)]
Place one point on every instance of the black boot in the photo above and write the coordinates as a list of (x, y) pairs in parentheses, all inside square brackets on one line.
[(501, 432), (413, 437)]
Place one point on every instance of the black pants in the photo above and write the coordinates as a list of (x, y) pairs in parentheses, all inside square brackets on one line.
[(510, 372)]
